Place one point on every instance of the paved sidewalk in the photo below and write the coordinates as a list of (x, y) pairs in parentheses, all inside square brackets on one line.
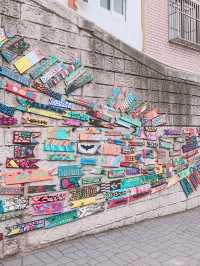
[(167, 241)]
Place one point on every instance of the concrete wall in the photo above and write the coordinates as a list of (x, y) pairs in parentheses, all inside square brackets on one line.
[(54, 30), (126, 28), (156, 44)]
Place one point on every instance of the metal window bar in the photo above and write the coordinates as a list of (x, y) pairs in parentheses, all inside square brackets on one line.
[(184, 20)]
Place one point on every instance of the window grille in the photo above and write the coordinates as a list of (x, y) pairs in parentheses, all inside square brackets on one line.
[(184, 22)]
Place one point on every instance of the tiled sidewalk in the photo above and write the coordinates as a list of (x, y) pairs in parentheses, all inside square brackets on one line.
[(167, 241)]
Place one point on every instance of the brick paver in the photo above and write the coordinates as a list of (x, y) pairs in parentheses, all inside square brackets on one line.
[(168, 241)]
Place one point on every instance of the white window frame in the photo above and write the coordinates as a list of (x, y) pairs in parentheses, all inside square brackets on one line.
[(113, 12)]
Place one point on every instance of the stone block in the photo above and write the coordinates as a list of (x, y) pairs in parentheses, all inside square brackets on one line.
[(174, 208), (104, 77), (92, 59), (10, 8)]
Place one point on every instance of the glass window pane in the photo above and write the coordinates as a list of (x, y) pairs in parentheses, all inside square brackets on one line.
[(105, 4), (119, 6)]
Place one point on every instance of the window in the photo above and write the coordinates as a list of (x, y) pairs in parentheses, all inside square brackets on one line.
[(184, 22), (105, 4), (118, 6)]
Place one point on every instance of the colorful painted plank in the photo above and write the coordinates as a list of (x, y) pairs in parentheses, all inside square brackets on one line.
[(7, 110), (41, 189), (18, 229), (13, 204), (10, 190), (52, 72), (26, 151), (61, 219), (29, 60), (60, 196), (7, 121), (58, 133), (69, 170), (61, 157), (57, 146), (34, 121), (14, 47), (8, 73), (41, 67), (83, 202), (48, 208), (90, 210), (25, 137), (43, 89), (88, 161), (60, 103), (83, 192), (71, 123), (21, 177), (22, 163), (69, 182)]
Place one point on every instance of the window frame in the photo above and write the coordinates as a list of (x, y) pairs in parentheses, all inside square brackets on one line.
[(113, 12)]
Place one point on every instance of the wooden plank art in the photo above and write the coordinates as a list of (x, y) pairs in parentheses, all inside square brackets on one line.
[(90, 210), (57, 78), (7, 121), (21, 177), (7, 110), (61, 157), (8, 73), (41, 67), (111, 161), (25, 137), (69, 183), (13, 48), (28, 120), (91, 180), (29, 60), (11, 215), (52, 72), (13, 204), (24, 228), (83, 192), (41, 189), (69, 170), (71, 123), (60, 196), (43, 89), (3, 37), (22, 163), (19, 91), (60, 103), (88, 161), (83, 202), (48, 208), (100, 115), (128, 104), (58, 133), (116, 173), (58, 146), (5, 190), (60, 219), (159, 120), (80, 81), (78, 116), (88, 148), (36, 105), (26, 151), (91, 137), (82, 102), (110, 149)]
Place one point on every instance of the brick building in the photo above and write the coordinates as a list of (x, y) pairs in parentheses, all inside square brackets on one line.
[(167, 30)]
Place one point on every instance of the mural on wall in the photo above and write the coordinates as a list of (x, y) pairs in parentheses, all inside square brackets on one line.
[(65, 164)]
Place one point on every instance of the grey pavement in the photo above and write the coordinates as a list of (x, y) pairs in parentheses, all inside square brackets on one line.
[(168, 241)]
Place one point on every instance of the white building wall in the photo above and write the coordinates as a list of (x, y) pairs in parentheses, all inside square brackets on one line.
[(126, 28)]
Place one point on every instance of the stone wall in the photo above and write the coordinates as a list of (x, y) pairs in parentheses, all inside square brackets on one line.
[(60, 32)]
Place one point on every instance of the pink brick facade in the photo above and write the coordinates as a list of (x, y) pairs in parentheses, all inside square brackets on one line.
[(156, 44)]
